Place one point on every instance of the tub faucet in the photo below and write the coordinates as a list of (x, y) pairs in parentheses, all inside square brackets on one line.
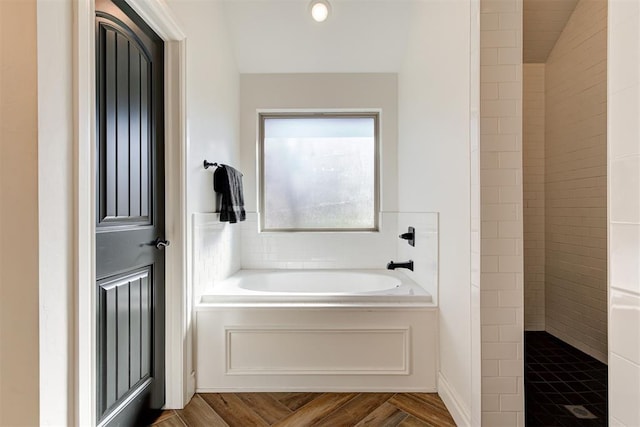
[(393, 265)]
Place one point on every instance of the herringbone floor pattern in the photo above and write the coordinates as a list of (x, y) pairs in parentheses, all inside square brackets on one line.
[(310, 409)]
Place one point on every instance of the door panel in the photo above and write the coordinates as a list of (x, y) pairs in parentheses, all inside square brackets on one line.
[(125, 306), (124, 177), (130, 217)]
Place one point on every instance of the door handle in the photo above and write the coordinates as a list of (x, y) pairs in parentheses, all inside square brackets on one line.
[(161, 243)]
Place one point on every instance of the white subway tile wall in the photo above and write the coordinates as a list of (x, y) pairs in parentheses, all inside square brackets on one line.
[(576, 181), (501, 281), (624, 223), (348, 250), (326, 250), (216, 251), (320, 249), (533, 187)]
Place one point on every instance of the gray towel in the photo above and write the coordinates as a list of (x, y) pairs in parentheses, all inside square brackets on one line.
[(228, 181)]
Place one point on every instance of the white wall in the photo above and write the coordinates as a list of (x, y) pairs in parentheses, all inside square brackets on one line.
[(212, 97), (434, 171), (320, 91), (212, 123), (575, 181), (19, 347), (55, 199), (624, 212), (279, 36)]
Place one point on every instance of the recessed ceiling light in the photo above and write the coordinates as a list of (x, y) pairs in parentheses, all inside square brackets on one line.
[(320, 10)]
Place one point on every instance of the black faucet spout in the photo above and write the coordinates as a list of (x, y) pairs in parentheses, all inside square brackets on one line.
[(393, 265)]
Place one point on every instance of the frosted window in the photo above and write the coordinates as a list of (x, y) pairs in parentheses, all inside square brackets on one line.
[(319, 173)]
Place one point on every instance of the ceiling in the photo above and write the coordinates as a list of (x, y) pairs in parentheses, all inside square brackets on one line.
[(279, 36), (544, 21)]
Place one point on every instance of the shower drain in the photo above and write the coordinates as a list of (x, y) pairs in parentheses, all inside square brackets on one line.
[(580, 411)]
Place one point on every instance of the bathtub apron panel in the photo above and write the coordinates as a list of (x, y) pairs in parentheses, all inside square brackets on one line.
[(275, 348)]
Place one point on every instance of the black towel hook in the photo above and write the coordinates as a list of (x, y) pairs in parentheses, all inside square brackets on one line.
[(208, 164)]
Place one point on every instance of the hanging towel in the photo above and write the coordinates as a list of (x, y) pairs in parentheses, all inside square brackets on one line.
[(228, 182)]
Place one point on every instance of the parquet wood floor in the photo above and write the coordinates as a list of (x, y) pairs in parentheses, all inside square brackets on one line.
[(310, 410)]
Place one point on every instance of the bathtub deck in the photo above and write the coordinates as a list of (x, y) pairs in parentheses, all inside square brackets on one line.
[(310, 409)]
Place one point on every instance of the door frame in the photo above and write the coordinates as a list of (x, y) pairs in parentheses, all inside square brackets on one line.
[(180, 384)]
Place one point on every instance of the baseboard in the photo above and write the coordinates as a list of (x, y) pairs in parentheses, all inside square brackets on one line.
[(454, 404)]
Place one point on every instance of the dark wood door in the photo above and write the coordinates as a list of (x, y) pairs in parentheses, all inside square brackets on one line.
[(130, 259)]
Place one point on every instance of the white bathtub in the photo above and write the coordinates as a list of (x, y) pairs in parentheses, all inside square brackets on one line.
[(316, 330), (318, 286)]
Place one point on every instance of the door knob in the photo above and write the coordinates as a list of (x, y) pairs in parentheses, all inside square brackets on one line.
[(161, 243)]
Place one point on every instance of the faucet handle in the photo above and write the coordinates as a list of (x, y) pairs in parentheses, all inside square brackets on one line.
[(410, 236)]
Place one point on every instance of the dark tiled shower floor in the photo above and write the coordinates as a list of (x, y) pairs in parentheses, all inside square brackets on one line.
[(557, 374)]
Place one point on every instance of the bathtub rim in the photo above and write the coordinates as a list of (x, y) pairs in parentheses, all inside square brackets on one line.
[(212, 299)]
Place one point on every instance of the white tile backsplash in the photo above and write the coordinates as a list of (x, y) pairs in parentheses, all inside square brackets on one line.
[(215, 251), (318, 249), (220, 249), (333, 250)]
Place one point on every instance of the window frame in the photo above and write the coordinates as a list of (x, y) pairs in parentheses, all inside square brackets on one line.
[(374, 114)]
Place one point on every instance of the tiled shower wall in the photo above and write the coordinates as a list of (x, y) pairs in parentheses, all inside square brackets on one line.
[(624, 212), (533, 187), (575, 181), (501, 281)]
